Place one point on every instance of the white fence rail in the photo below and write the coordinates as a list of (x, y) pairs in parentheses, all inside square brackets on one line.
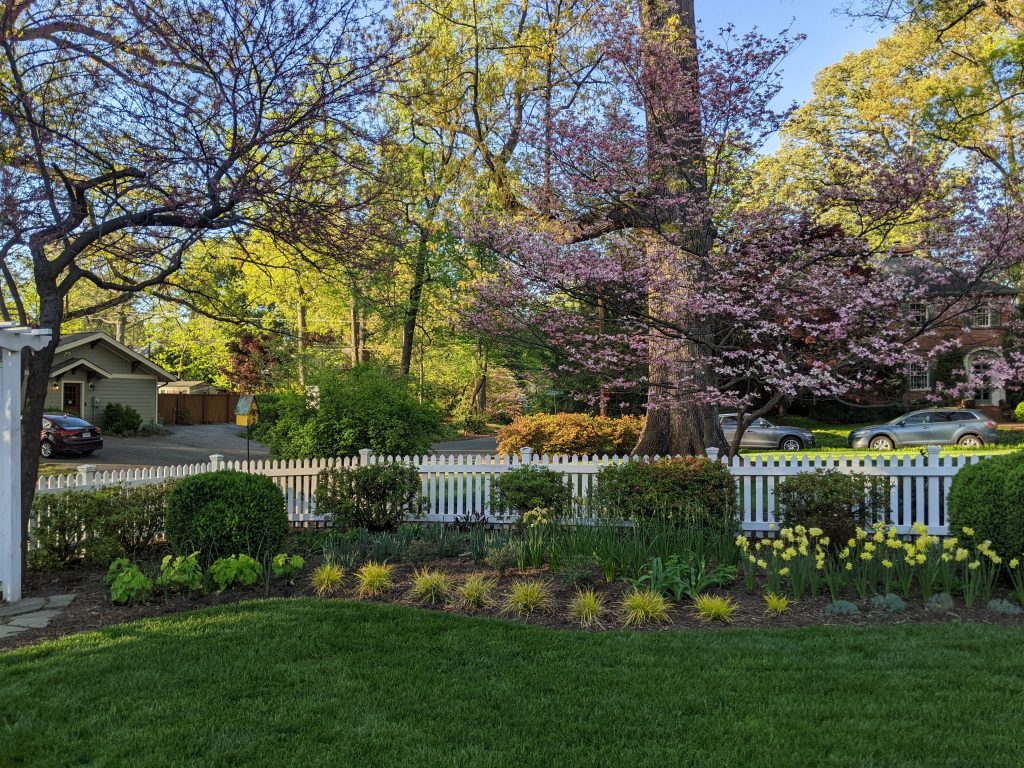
[(459, 486)]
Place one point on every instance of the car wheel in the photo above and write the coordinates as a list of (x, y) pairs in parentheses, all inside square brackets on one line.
[(970, 441), (46, 449), (791, 444), (881, 443)]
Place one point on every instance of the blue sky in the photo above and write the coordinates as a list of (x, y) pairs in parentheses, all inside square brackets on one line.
[(830, 36)]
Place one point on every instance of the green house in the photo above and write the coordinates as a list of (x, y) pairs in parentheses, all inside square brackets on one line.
[(93, 369)]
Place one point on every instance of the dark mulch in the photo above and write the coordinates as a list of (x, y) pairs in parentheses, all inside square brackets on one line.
[(92, 608)]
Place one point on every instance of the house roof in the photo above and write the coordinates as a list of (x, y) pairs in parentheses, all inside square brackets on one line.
[(74, 362), (954, 283), (69, 341)]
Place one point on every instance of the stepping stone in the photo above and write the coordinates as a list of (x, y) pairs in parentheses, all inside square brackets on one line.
[(59, 601), (35, 620), (6, 630), (27, 605)]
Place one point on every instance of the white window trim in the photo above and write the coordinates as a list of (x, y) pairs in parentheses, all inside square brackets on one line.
[(915, 371)]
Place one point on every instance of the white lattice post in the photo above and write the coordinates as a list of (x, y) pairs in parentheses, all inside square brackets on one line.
[(713, 453), (216, 462), (13, 339), (365, 456)]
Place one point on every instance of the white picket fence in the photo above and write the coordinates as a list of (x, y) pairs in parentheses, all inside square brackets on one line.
[(459, 486)]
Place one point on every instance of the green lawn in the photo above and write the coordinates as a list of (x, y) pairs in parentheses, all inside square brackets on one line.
[(331, 683)]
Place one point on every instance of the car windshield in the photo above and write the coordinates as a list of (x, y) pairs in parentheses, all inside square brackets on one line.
[(763, 423), (70, 422)]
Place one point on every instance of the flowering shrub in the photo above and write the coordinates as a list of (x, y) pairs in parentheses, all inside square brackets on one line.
[(573, 433), (689, 490)]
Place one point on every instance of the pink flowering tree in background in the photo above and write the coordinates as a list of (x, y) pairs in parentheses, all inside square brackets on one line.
[(642, 231)]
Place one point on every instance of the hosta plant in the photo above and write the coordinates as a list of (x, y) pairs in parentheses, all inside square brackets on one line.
[(237, 570), (327, 579), (527, 596), (475, 592), (776, 604), (715, 607), (645, 606), (374, 579), (587, 608), (430, 587)]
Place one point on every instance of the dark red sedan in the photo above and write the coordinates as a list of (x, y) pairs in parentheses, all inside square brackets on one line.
[(68, 434)]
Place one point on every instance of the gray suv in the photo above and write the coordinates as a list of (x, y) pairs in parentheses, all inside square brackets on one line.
[(763, 434), (935, 426)]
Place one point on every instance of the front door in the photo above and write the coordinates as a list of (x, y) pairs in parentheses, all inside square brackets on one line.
[(73, 399)]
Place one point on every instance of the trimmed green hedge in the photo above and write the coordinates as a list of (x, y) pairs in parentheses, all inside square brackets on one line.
[(519, 490), (989, 497), (226, 513), (837, 503), (377, 497)]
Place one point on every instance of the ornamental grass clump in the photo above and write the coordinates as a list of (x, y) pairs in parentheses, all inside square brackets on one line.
[(475, 593), (327, 579), (645, 606), (587, 608), (528, 596), (715, 607), (374, 579), (430, 587), (776, 605)]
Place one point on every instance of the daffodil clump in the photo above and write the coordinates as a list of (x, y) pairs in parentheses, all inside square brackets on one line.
[(536, 523), (876, 560)]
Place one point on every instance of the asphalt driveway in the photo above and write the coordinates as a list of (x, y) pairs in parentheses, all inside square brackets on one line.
[(178, 445)]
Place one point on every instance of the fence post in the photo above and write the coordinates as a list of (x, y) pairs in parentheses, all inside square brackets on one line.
[(216, 462), (365, 455), (932, 510), (86, 475), (527, 455), (712, 453)]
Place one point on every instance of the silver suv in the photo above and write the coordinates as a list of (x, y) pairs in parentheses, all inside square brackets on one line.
[(763, 434), (935, 426)]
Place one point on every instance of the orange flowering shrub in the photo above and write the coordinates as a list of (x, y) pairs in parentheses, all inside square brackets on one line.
[(571, 433)]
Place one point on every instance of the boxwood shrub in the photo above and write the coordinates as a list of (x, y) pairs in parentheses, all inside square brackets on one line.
[(687, 490), (377, 497), (226, 513), (519, 490), (989, 497), (836, 503)]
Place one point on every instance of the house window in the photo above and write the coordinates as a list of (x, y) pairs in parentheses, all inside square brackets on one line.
[(917, 312), (981, 317), (919, 377)]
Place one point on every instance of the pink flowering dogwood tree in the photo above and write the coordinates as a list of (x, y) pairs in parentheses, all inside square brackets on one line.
[(643, 231)]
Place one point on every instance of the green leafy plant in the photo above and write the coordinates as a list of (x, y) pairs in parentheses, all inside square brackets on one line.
[(1004, 607), (775, 604), (645, 606), (517, 491), (588, 609), (528, 596), (236, 570), (940, 601), (226, 512), (836, 503), (374, 579), (180, 574), (577, 572), (715, 607), (128, 584), (475, 592), (890, 603), (285, 566), (681, 577), (502, 558), (121, 419), (431, 587), (536, 523), (327, 579), (377, 497)]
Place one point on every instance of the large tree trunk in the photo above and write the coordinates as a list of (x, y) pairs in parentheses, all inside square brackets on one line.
[(412, 309), (677, 422), (300, 332)]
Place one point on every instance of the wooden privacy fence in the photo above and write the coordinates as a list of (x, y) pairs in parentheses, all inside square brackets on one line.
[(459, 486), (197, 409)]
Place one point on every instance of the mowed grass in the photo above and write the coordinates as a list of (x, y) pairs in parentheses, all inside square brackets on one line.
[(334, 683)]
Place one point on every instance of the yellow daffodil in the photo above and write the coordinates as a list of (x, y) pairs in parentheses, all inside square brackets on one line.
[(1014, 562), (887, 563), (815, 532), (783, 571), (968, 531), (974, 565), (849, 566), (961, 555)]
